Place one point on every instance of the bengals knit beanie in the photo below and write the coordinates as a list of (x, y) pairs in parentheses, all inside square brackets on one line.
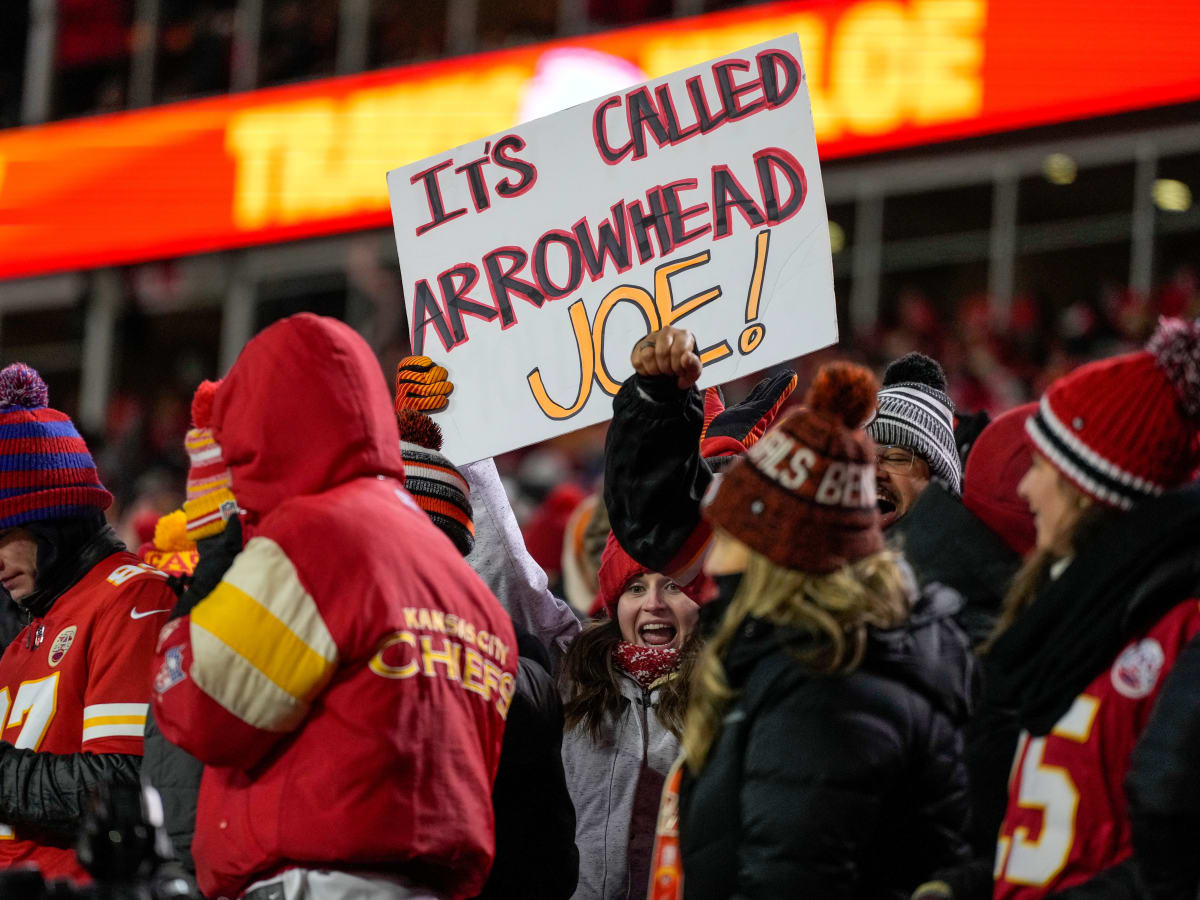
[(437, 486), (1127, 428), (46, 471), (916, 413), (804, 495), (209, 502), (618, 568)]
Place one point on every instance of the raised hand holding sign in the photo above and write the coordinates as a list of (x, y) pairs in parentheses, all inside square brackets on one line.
[(692, 204)]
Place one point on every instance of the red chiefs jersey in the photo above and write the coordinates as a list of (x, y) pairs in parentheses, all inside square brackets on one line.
[(78, 680), (1066, 818)]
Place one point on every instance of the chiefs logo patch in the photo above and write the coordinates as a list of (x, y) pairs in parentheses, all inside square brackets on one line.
[(61, 645), (1136, 671)]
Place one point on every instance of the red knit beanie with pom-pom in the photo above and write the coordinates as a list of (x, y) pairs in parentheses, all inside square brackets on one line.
[(1127, 428), (804, 495)]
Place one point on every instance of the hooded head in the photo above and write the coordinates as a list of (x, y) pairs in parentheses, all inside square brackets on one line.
[(305, 408)]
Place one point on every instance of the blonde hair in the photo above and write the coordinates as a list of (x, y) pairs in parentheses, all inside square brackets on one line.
[(835, 609)]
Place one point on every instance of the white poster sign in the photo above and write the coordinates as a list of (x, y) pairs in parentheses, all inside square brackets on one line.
[(534, 259)]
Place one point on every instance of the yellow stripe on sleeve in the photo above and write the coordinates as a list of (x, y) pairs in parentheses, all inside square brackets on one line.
[(259, 644), (242, 689), (114, 720)]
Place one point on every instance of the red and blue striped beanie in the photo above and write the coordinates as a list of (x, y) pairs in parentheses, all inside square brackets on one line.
[(46, 471)]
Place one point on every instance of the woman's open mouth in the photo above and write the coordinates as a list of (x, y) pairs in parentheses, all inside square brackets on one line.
[(657, 634)]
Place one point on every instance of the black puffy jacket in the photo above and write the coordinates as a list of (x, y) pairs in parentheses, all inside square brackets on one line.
[(849, 786)]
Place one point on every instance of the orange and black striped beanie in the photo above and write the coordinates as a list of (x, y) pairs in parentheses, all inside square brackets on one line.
[(438, 487)]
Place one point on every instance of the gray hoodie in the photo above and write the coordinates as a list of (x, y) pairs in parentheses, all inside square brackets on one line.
[(615, 783)]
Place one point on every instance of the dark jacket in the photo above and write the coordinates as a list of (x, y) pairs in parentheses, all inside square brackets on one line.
[(654, 476), (11, 621), (1163, 786), (946, 543), (535, 821), (849, 786)]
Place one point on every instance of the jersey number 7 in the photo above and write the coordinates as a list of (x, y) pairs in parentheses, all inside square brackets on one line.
[(33, 709)]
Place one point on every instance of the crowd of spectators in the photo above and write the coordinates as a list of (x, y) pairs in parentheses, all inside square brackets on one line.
[(194, 44), (993, 363)]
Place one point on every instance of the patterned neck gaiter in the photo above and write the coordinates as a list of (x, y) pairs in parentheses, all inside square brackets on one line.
[(646, 665)]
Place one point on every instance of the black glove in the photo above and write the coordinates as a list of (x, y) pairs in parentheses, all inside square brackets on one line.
[(216, 556), (735, 429)]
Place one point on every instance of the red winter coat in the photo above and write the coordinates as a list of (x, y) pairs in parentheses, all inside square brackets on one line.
[(348, 680)]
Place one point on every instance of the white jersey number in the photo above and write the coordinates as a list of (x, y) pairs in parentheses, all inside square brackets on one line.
[(32, 710), (1036, 862)]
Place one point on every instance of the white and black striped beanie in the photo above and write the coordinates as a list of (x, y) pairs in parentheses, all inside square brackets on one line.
[(437, 486), (914, 411)]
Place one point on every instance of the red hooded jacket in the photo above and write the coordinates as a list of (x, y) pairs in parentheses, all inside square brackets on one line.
[(348, 680)]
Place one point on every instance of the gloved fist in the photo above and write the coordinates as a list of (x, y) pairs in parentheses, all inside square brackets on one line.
[(421, 385), (731, 431), (668, 351)]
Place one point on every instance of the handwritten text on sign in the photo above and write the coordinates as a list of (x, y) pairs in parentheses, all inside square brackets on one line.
[(640, 209)]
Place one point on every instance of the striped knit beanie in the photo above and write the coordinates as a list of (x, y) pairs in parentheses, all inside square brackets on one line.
[(46, 471), (210, 502), (1127, 428), (434, 483), (915, 412)]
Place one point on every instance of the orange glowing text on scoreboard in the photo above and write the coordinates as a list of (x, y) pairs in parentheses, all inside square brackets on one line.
[(873, 67)]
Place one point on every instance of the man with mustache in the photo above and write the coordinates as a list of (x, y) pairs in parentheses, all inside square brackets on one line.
[(913, 430)]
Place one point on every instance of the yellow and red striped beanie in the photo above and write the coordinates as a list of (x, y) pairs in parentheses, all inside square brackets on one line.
[(46, 471), (210, 499)]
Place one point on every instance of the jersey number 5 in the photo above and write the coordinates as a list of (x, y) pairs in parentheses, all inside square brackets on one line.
[(32, 710), (1036, 862)]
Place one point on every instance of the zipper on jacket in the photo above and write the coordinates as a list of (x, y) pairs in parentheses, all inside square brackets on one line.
[(28, 616), (646, 705)]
